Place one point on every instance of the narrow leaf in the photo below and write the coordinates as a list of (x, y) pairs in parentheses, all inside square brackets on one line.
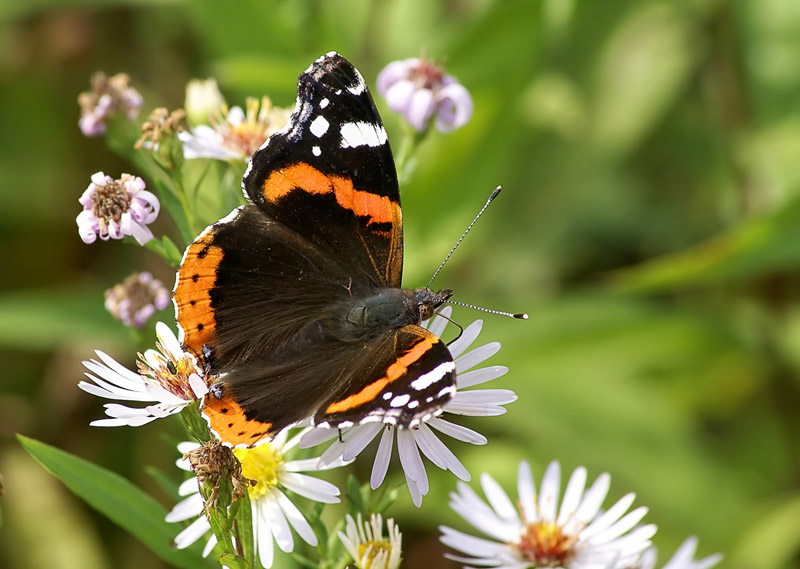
[(116, 498)]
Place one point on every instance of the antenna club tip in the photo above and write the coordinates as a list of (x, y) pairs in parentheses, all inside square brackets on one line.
[(521, 316), (495, 193)]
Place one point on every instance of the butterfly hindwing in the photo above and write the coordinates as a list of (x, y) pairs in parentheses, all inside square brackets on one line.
[(407, 377), (254, 301), (330, 174)]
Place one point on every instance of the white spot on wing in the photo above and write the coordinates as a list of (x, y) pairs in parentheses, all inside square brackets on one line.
[(449, 390), (362, 134), (316, 150), (323, 103), (400, 400), (358, 88), (319, 126), (436, 374)]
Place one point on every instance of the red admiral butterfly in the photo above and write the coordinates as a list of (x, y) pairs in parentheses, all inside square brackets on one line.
[(295, 300)]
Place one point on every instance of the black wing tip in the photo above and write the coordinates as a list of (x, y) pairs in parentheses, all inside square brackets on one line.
[(327, 63)]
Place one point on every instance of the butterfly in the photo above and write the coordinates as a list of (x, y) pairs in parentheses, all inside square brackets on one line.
[(294, 301)]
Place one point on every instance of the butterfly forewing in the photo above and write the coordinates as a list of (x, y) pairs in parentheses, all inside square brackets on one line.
[(330, 176)]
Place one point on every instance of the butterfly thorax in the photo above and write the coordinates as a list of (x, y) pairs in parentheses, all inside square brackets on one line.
[(363, 318)]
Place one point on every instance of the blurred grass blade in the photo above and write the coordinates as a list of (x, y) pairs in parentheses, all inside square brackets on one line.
[(41, 319), (116, 498), (773, 540), (750, 250)]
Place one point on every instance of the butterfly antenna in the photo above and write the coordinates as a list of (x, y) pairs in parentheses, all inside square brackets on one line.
[(450, 254), (519, 315), (459, 326)]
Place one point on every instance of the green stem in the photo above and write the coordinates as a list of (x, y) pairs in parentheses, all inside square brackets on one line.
[(405, 157), (188, 211), (158, 248)]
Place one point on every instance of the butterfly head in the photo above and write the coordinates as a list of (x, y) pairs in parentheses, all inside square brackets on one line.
[(428, 301)]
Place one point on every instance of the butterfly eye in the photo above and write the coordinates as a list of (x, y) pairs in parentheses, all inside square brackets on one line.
[(425, 311)]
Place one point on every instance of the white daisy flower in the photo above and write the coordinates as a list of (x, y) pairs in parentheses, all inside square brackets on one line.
[(234, 134), (168, 378), (274, 514), (474, 403), (366, 545), (683, 558), (537, 533)]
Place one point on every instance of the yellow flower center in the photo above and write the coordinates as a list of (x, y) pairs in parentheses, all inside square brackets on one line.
[(544, 544), (170, 373), (368, 551), (262, 464), (261, 120)]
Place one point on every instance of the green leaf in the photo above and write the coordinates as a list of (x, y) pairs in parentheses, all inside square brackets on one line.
[(388, 498), (173, 253), (772, 540), (244, 521), (631, 93), (164, 482), (218, 520), (116, 498), (304, 561), (233, 561), (355, 496)]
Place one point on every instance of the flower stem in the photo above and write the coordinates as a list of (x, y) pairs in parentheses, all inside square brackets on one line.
[(405, 158)]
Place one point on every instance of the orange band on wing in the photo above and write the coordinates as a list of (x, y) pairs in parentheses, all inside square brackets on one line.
[(380, 209), (196, 278), (228, 421), (395, 371)]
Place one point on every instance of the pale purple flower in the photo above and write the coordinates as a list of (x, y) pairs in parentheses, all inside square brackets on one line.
[(683, 558), (113, 209), (352, 441), (134, 301), (420, 90), (234, 134), (274, 513), (534, 532), (168, 379), (108, 96)]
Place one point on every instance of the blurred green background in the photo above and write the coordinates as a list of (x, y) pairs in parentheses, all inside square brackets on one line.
[(649, 224)]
